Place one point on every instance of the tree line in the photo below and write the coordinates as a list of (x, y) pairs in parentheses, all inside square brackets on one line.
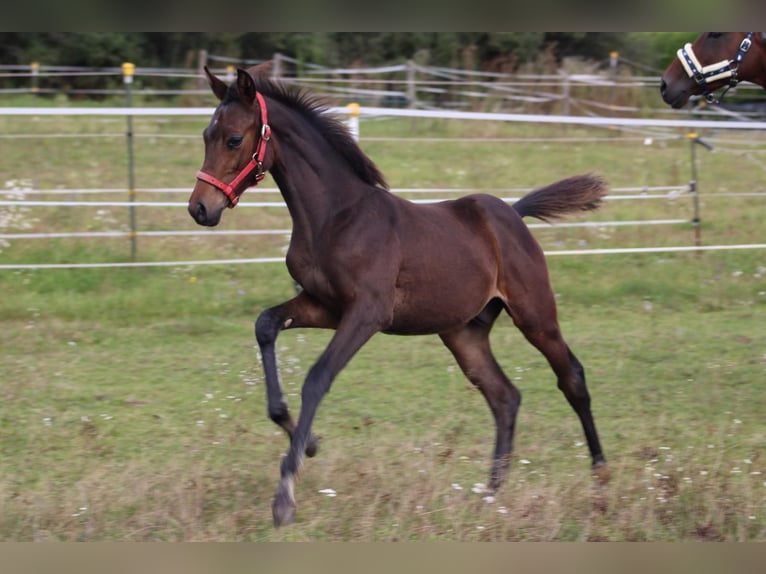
[(504, 51)]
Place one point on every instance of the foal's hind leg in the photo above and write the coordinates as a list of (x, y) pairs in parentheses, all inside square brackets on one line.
[(471, 348), (545, 335), (301, 311)]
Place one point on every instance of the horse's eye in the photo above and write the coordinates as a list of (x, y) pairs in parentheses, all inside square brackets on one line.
[(715, 34), (234, 142)]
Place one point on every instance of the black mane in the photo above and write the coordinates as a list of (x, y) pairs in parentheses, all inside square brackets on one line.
[(314, 110)]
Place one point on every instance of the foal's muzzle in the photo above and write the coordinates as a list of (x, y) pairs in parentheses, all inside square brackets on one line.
[(203, 216)]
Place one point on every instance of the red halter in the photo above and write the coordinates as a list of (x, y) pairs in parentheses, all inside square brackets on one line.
[(256, 163)]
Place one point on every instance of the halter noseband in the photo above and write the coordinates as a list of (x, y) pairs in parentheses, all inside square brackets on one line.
[(705, 75), (256, 163)]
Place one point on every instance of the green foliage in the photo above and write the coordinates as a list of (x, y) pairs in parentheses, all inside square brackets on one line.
[(173, 49), (657, 49), (544, 52)]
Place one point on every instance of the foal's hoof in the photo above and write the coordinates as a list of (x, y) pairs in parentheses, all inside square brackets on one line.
[(283, 510), (312, 447), (600, 471)]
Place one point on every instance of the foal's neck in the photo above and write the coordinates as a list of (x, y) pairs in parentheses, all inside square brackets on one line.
[(314, 181)]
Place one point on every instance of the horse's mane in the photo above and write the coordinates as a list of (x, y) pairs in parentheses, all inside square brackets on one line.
[(313, 109)]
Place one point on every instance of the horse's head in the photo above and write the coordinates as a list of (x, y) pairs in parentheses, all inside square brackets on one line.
[(235, 148), (713, 60)]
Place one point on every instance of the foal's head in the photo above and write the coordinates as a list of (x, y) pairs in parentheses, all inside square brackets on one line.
[(231, 139), (709, 63)]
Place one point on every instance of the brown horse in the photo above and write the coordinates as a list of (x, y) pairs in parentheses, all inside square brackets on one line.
[(370, 262), (714, 60)]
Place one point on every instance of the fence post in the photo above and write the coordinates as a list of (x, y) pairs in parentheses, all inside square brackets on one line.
[(128, 70), (614, 60), (201, 63), (353, 120), (565, 92), (693, 189), (231, 73), (35, 68), (411, 93), (276, 69)]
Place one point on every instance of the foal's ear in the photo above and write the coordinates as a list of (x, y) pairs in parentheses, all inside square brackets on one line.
[(216, 84), (246, 86)]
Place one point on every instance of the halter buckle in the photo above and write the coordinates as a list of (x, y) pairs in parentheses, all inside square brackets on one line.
[(260, 173)]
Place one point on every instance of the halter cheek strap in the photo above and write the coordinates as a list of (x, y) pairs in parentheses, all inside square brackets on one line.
[(254, 165)]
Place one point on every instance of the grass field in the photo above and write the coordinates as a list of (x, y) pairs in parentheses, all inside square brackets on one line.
[(133, 402)]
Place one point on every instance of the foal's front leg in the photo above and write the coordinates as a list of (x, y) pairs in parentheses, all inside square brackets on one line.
[(301, 311), (354, 330)]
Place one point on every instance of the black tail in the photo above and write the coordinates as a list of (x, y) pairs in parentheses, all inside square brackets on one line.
[(577, 193)]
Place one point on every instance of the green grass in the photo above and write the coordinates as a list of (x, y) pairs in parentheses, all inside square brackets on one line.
[(133, 403), (155, 421)]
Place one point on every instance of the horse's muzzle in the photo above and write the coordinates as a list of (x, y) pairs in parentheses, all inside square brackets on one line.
[(674, 98), (202, 216)]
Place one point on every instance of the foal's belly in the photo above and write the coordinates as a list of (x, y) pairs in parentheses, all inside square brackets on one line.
[(438, 308)]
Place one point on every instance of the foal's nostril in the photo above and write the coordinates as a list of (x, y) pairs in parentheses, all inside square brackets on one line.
[(663, 86), (201, 215)]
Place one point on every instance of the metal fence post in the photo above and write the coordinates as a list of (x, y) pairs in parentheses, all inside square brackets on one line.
[(614, 60), (694, 139), (35, 68), (128, 70)]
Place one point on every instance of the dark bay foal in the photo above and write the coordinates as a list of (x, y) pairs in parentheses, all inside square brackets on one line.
[(370, 262)]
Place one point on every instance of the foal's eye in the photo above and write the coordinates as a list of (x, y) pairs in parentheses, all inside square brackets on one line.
[(715, 34), (234, 142)]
